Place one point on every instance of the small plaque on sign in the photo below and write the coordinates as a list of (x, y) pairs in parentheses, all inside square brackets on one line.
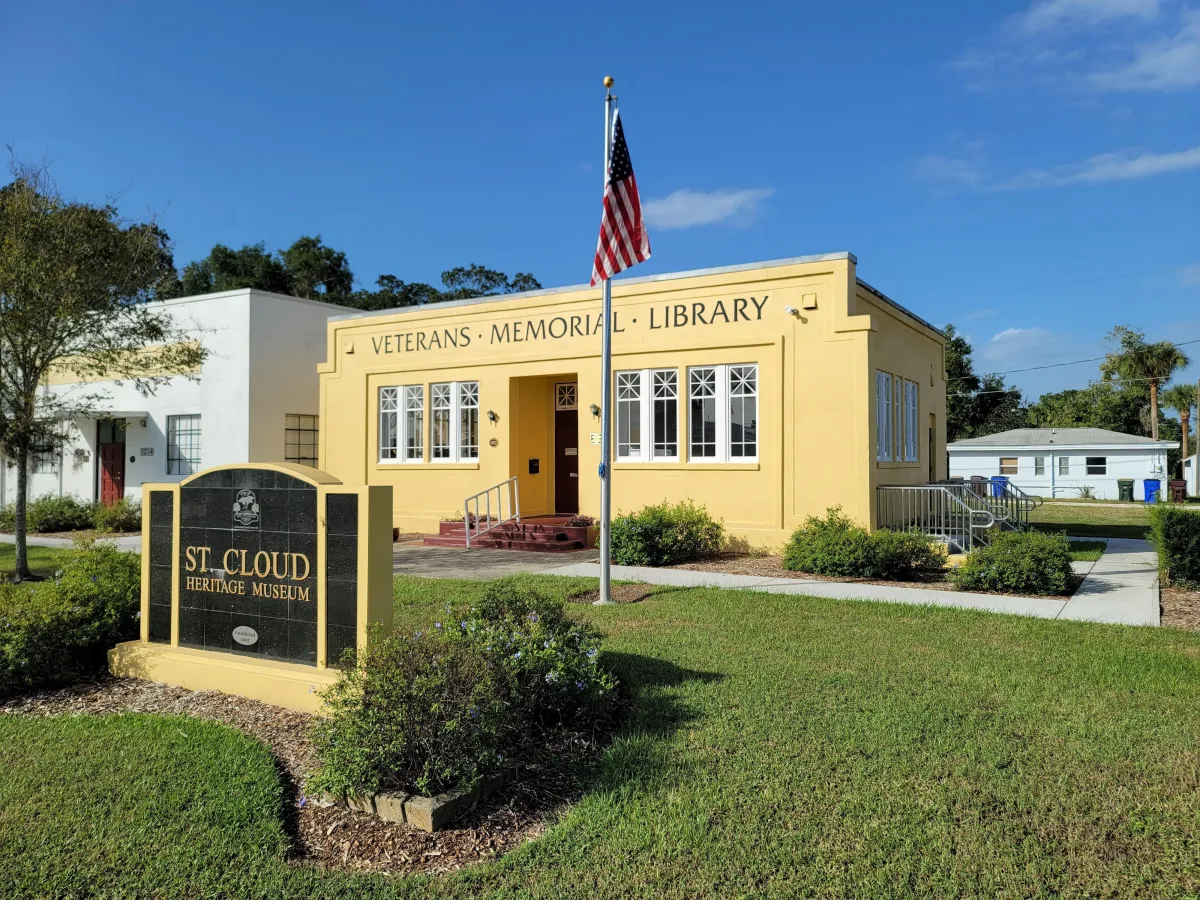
[(571, 451), (595, 437), (147, 451), (245, 635)]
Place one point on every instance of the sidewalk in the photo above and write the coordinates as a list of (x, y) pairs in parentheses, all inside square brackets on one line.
[(1122, 588), (124, 542)]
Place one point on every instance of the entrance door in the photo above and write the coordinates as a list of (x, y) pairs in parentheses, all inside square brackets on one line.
[(932, 444), (110, 447), (566, 448)]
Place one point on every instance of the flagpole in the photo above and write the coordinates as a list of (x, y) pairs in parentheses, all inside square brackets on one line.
[(606, 385)]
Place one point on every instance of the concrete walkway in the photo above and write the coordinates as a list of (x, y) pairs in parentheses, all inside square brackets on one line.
[(124, 542), (1122, 589), (478, 565)]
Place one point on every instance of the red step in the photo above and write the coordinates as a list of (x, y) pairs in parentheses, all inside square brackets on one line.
[(544, 535)]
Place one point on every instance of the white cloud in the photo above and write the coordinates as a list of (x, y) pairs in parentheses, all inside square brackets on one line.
[(686, 208), (1014, 348), (1167, 64), (1056, 15), (1103, 167), (1189, 276)]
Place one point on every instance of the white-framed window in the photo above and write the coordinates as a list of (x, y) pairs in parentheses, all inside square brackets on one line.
[(183, 445), (911, 405), (1039, 465), (43, 460), (1064, 465), (883, 416), (454, 421), (723, 413), (1096, 465), (1008, 465), (648, 415), (401, 423), (300, 439)]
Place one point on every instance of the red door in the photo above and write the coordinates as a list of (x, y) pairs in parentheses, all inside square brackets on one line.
[(112, 473)]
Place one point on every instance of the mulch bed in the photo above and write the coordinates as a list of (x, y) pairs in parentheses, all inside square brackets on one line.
[(769, 566), (550, 777), (620, 593), (1180, 608)]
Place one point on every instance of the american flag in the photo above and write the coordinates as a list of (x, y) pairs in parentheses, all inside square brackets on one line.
[(623, 239)]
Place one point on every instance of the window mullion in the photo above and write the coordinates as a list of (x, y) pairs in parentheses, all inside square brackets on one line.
[(455, 413)]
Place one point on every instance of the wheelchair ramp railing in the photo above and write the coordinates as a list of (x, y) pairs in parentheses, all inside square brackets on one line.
[(938, 510)]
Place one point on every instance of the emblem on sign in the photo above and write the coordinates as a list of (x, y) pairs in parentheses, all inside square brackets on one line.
[(245, 509), (245, 635)]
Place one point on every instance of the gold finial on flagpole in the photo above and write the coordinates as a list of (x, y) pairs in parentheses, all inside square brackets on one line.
[(608, 81)]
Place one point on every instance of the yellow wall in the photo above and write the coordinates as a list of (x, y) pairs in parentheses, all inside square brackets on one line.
[(816, 426)]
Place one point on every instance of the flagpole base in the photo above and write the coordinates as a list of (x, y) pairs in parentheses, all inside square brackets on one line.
[(604, 603)]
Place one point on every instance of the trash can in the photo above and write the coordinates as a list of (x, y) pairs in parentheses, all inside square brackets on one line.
[(998, 485), (979, 485), (1125, 490), (1152, 486), (1178, 491)]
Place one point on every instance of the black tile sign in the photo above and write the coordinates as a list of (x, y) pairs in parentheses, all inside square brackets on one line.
[(341, 574), (248, 564), (162, 522)]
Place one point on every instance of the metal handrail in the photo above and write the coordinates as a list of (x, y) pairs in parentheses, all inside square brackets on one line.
[(937, 510), (512, 495)]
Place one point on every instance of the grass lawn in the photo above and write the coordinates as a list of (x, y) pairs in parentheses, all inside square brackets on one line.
[(778, 746), (42, 560), (1086, 551), (1129, 521)]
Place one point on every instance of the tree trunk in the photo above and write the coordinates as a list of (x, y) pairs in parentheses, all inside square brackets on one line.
[(1185, 417), (1154, 409), (20, 523)]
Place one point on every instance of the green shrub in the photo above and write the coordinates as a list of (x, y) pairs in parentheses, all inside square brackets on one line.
[(838, 547), (1028, 562), (123, 516), (1175, 534), (52, 631), (51, 514), (418, 713), (665, 535)]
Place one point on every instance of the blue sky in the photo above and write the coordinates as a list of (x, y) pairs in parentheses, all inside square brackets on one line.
[(1027, 170)]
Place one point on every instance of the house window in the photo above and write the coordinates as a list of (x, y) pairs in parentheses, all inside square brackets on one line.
[(648, 424), (1008, 465), (883, 416), (43, 460), (1064, 465), (454, 427), (300, 439), (1096, 465), (723, 413), (401, 421), (1039, 465), (911, 405), (183, 445)]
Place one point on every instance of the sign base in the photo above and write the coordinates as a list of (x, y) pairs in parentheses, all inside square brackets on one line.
[(289, 685)]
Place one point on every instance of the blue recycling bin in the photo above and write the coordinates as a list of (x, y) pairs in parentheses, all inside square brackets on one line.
[(998, 483), (1153, 486)]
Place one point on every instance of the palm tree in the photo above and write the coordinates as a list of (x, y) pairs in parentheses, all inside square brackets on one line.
[(1136, 360), (1181, 398)]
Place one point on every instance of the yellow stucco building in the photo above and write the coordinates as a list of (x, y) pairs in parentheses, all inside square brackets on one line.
[(767, 392)]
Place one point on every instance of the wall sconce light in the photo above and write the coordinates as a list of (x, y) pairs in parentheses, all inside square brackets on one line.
[(595, 409), (492, 417), (143, 423), (791, 311)]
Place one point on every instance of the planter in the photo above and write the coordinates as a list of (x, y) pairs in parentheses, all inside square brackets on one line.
[(426, 813)]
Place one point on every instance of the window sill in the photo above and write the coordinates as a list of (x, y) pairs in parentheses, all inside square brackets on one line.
[(690, 466), (884, 464), (385, 466)]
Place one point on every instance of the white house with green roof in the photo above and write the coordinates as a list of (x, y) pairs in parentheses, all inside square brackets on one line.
[(1061, 462)]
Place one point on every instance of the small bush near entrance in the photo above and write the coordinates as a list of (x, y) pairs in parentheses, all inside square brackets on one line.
[(1175, 534), (838, 547), (52, 631), (51, 514), (1029, 562), (430, 710), (665, 535)]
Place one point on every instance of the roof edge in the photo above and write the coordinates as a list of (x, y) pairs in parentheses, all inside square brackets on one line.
[(899, 307)]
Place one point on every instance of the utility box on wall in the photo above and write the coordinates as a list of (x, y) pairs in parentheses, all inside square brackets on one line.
[(257, 579)]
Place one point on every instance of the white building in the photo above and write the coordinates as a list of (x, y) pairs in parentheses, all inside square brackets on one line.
[(255, 400), (1060, 462), (1191, 475)]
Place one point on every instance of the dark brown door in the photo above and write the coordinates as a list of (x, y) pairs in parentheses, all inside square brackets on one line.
[(112, 473), (932, 444), (566, 450)]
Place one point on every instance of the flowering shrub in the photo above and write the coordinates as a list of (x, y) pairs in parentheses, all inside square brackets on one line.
[(419, 712), (51, 631), (665, 535), (429, 710)]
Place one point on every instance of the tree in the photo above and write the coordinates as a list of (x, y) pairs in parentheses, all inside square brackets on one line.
[(316, 271), (76, 289), (975, 405), (1133, 358), (1181, 398), (226, 269), (464, 282), (1116, 406), (393, 293)]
